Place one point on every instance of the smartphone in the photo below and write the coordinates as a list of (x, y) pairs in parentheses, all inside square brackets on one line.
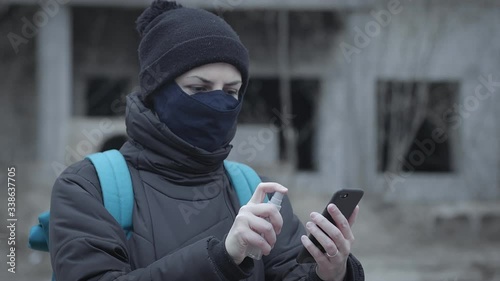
[(346, 200)]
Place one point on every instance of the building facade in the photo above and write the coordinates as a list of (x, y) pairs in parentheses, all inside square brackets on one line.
[(331, 84)]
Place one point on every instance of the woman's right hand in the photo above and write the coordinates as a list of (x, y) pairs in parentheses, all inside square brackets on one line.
[(251, 222)]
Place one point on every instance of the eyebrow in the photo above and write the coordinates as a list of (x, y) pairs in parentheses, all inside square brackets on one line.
[(210, 82)]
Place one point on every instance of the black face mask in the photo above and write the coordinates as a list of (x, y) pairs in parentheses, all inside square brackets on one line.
[(206, 120)]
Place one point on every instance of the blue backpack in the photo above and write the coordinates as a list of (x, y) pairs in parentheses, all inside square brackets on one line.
[(118, 194)]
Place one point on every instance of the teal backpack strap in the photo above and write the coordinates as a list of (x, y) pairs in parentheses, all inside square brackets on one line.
[(244, 179), (116, 185), (117, 193)]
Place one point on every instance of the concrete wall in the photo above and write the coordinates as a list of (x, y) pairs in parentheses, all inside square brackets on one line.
[(217, 4), (18, 139), (424, 40), (18, 92), (462, 43)]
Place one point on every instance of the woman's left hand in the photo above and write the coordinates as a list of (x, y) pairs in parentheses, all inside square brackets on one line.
[(337, 242)]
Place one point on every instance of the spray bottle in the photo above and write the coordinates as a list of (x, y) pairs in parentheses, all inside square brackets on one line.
[(255, 252)]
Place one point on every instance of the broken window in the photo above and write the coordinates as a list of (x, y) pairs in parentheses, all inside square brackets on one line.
[(105, 96), (105, 61), (413, 133), (263, 106), (284, 50), (305, 93), (261, 100)]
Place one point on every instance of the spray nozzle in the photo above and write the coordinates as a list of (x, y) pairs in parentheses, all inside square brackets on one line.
[(277, 198)]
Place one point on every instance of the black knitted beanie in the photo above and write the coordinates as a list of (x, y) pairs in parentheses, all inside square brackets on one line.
[(175, 39)]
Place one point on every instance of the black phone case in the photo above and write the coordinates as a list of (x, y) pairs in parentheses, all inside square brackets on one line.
[(346, 200)]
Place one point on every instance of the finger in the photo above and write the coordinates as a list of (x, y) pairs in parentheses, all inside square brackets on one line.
[(352, 218), (316, 253), (331, 231), (253, 239), (264, 188), (268, 211), (340, 221), (326, 242), (263, 227)]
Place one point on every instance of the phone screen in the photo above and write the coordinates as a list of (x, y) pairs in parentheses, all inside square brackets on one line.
[(346, 200)]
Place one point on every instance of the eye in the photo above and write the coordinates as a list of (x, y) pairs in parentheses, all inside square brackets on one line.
[(197, 88), (232, 92)]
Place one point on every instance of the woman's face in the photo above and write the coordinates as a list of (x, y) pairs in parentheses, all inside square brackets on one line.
[(211, 77)]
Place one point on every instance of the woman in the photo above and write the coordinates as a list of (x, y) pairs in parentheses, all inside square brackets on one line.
[(188, 224)]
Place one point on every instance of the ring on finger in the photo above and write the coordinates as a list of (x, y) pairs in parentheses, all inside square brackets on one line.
[(334, 255)]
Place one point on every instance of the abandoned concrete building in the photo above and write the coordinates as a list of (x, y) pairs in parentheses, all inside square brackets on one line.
[(399, 98)]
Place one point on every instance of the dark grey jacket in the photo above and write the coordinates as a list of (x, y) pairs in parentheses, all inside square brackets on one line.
[(184, 207)]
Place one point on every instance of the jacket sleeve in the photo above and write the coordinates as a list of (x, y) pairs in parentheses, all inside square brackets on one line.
[(280, 264), (86, 243)]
